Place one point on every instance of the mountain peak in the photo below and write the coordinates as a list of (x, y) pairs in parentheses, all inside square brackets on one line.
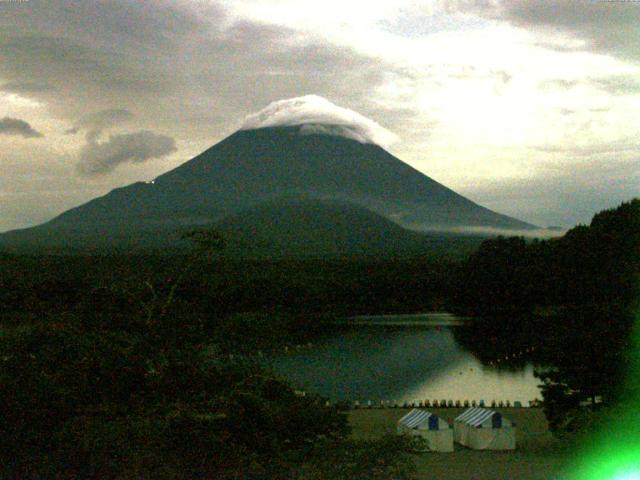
[(274, 157), (317, 115)]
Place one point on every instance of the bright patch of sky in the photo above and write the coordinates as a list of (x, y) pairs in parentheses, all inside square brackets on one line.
[(417, 26)]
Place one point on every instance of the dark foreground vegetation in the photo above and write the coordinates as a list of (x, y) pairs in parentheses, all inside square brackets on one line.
[(144, 366), (570, 301)]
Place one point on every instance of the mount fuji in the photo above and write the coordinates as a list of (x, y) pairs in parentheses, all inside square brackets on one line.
[(294, 162)]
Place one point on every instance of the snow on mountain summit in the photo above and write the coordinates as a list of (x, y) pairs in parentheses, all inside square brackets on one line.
[(317, 115)]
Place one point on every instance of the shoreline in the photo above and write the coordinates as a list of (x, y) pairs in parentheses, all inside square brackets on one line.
[(538, 454), (430, 319)]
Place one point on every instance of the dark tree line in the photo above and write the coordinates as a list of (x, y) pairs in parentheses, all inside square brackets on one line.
[(117, 368), (573, 299), (346, 286)]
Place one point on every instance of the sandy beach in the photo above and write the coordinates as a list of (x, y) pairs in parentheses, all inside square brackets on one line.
[(538, 455)]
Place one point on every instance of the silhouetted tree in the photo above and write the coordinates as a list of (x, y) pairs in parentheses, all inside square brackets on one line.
[(574, 298)]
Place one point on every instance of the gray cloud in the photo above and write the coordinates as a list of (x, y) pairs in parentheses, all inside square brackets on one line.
[(81, 76), (614, 84), (103, 157), (15, 126), (557, 84), (618, 84), (174, 64), (609, 27), (617, 147), (104, 119), (26, 87), (95, 53), (606, 27)]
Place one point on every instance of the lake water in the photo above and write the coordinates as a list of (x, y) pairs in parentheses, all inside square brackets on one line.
[(402, 358)]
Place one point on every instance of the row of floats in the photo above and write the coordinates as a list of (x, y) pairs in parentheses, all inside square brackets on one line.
[(442, 404), (512, 356)]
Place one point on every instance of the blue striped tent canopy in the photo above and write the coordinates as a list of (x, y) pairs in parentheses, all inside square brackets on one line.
[(477, 416), (415, 418)]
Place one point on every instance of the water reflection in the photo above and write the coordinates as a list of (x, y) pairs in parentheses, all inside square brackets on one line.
[(472, 381), (404, 364)]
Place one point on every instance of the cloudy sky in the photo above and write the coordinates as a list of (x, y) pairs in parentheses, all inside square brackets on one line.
[(530, 108)]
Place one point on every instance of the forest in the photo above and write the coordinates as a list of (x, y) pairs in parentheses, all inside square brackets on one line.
[(144, 366), (129, 366), (573, 300)]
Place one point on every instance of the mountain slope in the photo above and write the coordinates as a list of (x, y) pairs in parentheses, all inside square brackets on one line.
[(298, 228), (252, 167)]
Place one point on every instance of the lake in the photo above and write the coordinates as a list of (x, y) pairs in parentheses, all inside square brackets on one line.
[(402, 358)]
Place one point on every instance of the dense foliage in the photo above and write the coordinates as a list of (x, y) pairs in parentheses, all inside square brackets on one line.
[(143, 366), (30, 283), (113, 369), (572, 300)]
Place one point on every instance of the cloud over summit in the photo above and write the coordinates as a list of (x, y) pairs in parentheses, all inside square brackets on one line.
[(318, 115)]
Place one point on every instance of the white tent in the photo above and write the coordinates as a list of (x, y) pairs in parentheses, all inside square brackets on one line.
[(484, 429), (431, 433)]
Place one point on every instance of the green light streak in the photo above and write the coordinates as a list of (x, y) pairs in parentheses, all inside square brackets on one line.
[(614, 453)]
